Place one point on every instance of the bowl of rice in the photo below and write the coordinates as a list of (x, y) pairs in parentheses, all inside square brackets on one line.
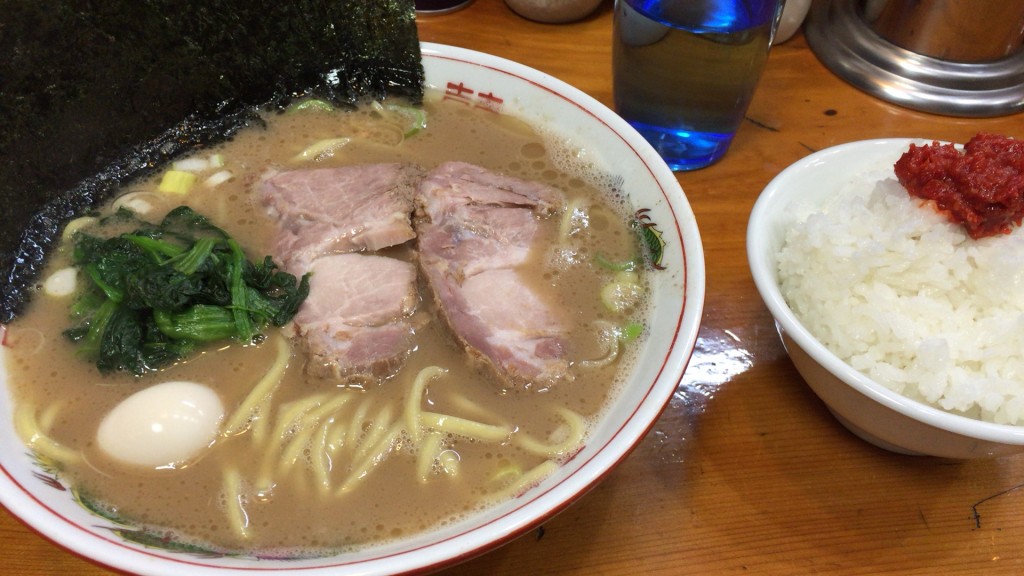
[(905, 327)]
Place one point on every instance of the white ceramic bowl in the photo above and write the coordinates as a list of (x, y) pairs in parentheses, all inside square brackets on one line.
[(865, 407), (678, 291)]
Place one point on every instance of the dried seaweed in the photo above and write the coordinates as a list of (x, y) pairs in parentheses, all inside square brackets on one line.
[(94, 94)]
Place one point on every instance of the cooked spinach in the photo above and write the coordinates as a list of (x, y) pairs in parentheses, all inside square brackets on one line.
[(157, 293)]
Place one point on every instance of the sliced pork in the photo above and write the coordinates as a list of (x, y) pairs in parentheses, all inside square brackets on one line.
[(476, 231), (334, 210), (357, 323)]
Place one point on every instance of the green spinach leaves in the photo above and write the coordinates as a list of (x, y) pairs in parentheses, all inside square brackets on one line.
[(159, 292)]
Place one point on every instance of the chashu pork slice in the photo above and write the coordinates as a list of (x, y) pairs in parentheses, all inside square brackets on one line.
[(334, 210), (476, 230), (357, 323)]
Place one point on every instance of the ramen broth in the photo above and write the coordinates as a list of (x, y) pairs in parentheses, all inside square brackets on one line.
[(291, 509)]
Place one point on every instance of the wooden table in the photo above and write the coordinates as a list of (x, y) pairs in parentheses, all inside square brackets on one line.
[(746, 472)]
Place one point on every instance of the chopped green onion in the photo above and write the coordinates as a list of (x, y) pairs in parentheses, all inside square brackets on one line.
[(322, 148), (191, 164), (411, 118), (622, 293), (218, 178), (574, 219), (505, 476), (177, 182), (310, 104), (62, 283), (627, 277), (629, 332), (135, 201), (626, 266)]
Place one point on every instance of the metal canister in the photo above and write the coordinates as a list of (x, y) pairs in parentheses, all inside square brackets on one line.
[(954, 30)]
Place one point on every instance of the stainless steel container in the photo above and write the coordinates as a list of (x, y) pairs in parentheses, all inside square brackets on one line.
[(953, 57)]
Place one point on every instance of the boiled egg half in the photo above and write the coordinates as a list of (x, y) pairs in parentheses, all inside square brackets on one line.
[(163, 426)]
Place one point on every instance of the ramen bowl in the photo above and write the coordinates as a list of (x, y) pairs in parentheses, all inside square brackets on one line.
[(866, 407), (598, 138)]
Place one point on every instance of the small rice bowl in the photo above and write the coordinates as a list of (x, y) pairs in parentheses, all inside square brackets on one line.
[(899, 293)]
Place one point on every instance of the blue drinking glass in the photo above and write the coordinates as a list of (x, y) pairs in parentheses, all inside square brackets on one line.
[(685, 71)]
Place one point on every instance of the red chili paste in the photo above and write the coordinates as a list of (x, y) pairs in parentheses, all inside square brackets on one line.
[(981, 188)]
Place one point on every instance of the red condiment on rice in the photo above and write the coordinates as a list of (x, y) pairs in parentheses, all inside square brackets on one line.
[(981, 188)]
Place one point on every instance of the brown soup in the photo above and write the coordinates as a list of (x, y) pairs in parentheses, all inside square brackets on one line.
[(321, 468)]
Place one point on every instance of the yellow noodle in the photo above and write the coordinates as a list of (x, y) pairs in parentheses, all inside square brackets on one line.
[(28, 430), (49, 416), (607, 359), (296, 446), (355, 428), (336, 440), (529, 479), (505, 476), (263, 389), (611, 342), (237, 516), (570, 443), (429, 449), (283, 434), (75, 225), (377, 429), (321, 461), (270, 461), (313, 416), (292, 414), (265, 481), (379, 451), (25, 424), (344, 432), (464, 427), (464, 404), (260, 428), (305, 425), (327, 407), (415, 398)]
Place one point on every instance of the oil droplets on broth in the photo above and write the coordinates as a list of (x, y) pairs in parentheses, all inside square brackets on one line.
[(288, 471)]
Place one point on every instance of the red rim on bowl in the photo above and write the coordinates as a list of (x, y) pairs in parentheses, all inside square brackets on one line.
[(507, 87)]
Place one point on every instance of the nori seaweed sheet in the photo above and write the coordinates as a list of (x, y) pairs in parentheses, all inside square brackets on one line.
[(94, 94)]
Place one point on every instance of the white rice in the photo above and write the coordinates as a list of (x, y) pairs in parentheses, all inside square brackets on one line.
[(902, 295)]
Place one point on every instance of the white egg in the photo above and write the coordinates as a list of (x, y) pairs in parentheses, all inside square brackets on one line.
[(163, 426)]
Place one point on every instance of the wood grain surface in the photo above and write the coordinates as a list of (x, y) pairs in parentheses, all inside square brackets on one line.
[(746, 472)]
